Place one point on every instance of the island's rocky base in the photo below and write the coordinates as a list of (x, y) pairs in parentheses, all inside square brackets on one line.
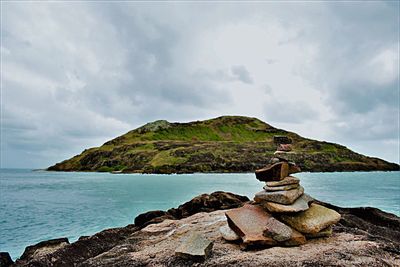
[(363, 237)]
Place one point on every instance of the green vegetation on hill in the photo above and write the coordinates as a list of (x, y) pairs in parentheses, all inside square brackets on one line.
[(223, 144)]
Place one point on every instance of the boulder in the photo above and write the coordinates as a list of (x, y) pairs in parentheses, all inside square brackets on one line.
[(273, 172), (286, 181), (301, 204), (194, 247), (282, 197), (5, 259), (228, 234), (43, 248), (313, 220), (281, 188)]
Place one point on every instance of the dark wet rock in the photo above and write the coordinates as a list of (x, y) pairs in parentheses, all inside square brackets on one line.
[(273, 172), (194, 247), (5, 259)]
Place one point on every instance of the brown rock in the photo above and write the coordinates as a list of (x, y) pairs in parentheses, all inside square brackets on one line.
[(249, 222), (313, 220), (274, 172), (194, 247), (277, 230), (286, 181), (282, 197), (301, 204), (280, 188)]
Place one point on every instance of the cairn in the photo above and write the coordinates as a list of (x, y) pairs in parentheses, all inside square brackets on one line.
[(281, 214)]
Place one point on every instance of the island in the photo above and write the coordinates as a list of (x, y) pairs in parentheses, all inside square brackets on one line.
[(223, 144)]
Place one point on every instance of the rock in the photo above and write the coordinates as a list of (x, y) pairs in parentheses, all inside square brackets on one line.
[(253, 224), (5, 259), (363, 237), (43, 248), (281, 197), (282, 139), (313, 220), (228, 234), (194, 247), (286, 181), (301, 204), (274, 172), (249, 222), (202, 203), (327, 232), (284, 147), (277, 230), (281, 188)]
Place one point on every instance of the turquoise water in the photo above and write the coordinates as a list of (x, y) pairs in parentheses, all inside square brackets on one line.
[(38, 205)]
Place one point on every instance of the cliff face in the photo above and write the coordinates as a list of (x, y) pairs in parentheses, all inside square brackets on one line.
[(363, 237), (224, 144)]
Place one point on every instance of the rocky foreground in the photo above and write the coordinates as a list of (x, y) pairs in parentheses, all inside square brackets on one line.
[(362, 237)]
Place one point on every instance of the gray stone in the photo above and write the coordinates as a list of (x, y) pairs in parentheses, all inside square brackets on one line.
[(281, 188), (301, 204), (313, 220), (194, 247), (277, 230), (282, 197), (228, 234), (288, 180)]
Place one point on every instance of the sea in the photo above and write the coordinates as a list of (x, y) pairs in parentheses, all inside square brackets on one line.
[(41, 205)]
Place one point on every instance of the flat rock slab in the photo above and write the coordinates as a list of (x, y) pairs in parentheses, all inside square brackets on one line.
[(313, 220), (280, 188), (286, 181), (194, 247), (273, 172), (228, 234), (256, 227), (282, 197), (300, 204)]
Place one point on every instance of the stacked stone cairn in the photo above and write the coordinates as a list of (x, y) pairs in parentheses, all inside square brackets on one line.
[(281, 214)]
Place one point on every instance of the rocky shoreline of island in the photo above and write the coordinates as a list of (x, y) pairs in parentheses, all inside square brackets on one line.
[(363, 236)]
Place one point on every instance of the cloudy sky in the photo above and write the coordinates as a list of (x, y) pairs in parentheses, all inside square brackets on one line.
[(76, 74)]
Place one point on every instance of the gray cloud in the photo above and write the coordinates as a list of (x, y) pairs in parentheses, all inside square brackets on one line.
[(76, 74)]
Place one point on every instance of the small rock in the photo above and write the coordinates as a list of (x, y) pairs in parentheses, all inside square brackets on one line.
[(274, 172), (282, 197), (301, 204), (194, 247), (327, 232), (288, 180), (277, 230), (228, 234), (274, 160), (313, 220), (281, 188), (284, 147), (5, 259)]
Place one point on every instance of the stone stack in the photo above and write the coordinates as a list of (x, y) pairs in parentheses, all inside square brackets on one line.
[(281, 215)]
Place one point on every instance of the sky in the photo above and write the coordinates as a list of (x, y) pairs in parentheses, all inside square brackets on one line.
[(76, 74)]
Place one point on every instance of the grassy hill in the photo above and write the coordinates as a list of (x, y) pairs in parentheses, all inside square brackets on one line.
[(223, 144)]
